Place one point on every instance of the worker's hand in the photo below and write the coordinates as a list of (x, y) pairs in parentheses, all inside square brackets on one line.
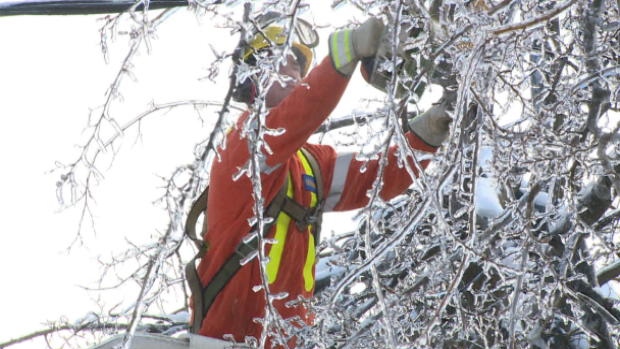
[(347, 47), (367, 37), (432, 126)]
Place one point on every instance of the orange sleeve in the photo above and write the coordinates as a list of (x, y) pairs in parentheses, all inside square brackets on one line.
[(395, 179), (303, 111)]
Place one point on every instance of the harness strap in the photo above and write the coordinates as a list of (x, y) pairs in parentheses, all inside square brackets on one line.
[(191, 273), (226, 273), (198, 207), (318, 210), (203, 297), (316, 171), (195, 286), (243, 250), (303, 216)]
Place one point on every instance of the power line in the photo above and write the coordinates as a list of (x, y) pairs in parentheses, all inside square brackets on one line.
[(80, 7)]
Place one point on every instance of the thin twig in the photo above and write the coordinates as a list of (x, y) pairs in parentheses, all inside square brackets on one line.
[(534, 21)]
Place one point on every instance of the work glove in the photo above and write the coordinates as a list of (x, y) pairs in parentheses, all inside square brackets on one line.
[(347, 47), (411, 60), (432, 126)]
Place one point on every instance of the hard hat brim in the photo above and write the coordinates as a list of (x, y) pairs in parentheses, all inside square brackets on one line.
[(308, 56), (275, 35)]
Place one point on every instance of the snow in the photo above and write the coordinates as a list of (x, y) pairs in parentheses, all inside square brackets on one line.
[(486, 198)]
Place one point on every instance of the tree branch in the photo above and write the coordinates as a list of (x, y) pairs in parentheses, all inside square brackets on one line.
[(534, 21)]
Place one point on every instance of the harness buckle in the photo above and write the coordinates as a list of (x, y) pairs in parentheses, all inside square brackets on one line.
[(311, 217)]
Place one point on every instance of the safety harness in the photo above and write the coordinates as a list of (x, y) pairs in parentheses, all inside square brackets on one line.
[(203, 296)]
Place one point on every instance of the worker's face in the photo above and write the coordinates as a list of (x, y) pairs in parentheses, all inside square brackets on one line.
[(291, 75)]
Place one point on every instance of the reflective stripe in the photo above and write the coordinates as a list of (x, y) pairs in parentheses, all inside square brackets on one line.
[(282, 226), (275, 254), (341, 48), (341, 169), (310, 257)]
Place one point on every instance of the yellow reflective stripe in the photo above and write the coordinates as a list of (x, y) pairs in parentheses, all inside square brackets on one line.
[(311, 254), (333, 43), (310, 257), (341, 49), (275, 254), (282, 225), (308, 171)]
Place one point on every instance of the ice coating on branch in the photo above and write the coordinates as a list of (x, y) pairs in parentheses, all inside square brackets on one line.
[(488, 248)]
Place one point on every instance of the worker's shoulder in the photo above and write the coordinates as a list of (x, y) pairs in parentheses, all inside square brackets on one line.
[(320, 150)]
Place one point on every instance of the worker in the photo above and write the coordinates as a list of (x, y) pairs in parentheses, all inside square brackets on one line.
[(315, 177)]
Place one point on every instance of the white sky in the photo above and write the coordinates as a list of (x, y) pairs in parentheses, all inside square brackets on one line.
[(52, 73)]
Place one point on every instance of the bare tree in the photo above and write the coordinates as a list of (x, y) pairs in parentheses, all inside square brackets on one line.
[(509, 238)]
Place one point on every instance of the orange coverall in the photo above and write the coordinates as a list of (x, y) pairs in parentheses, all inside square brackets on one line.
[(230, 202)]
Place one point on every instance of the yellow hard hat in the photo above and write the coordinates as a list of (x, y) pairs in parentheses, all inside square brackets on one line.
[(276, 35)]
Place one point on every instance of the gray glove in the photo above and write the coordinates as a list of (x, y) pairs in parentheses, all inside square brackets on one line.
[(347, 47), (432, 126)]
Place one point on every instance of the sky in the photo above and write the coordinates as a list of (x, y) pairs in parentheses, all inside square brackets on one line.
[(52, 74)]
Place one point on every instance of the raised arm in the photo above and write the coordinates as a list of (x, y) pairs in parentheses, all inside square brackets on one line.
[(349, 186), (310, 103), (304, 110)]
